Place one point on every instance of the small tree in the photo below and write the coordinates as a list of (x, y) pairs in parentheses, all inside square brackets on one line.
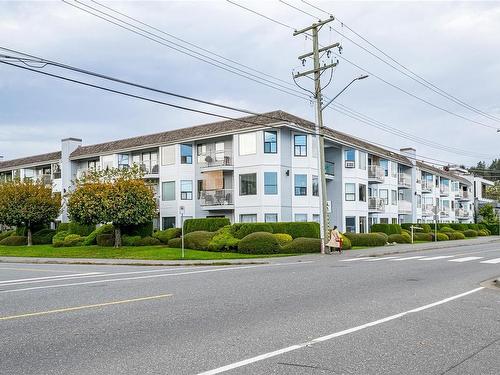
[(488, 214), (493, 192), (117, 196), (28, 203)]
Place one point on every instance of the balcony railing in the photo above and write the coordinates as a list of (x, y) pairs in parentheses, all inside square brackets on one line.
[(444, 190), (464, 195), (404, 207), (427, 210), (427, 185), (445, 212), (376, 204), (215, 159), (330, 168), (376, 173), (222, 197), (462, 214), (404, 180), (149, 167)]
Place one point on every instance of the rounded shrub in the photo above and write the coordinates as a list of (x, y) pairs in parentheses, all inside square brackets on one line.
[(14, 241), (209, 224), (105, 240), (43, 237), (470, 233), (346, 242), (441, 237), (223, 240), (297, 229), (92, 237), (242, 230), (399, 238), (446, 230), (198, 240), (73, 240), (422, 236), (386, 236), (301, 245), (59, 237), (149, 241), (6, 234), (458, 226), (283, 238), (131, 240), (166, 235), (456, 235), (175, 243), (405, 231), (387, 228), (482, 232), (366, 239), (259, 243), (80, 229), (63, 227)]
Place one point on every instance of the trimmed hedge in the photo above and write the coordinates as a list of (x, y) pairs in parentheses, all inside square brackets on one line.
[(63, 227), (209, 224), (470, 233), (80, 229), (14, 241), (366, 239), (141, 230), (92, 237), (295, 229), (198, 240), (346, 242), (175, 243), (426, 228), (259, 243), (149, 241), (446, 230), (386, 228), (458, 226), (166, 235), (283, 238), (493, 228), (223, 240), (482, 232), (43, 237), (399, 238), (73, 240), (131, 240), (423, 237), (105, 239), (302, 245), (6, 234), (441, 237), (241, 230), (59, 237), (455, 235)]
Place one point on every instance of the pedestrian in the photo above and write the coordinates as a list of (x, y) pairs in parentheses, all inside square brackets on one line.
[(335, 240)]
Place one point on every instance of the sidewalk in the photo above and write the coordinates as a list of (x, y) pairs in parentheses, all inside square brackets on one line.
[(368, 252)]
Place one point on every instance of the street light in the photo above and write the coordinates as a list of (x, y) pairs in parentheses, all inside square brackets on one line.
[(345, 88)]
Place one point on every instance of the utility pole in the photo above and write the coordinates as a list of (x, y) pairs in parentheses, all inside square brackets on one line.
[(317, 71)]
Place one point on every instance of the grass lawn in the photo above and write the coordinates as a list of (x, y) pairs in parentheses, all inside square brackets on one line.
[(140, 252)]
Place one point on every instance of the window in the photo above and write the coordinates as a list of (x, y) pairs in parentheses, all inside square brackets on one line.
[(350, 192), (168, 191), (186, 154), (362, 160), (168, 222), (314, 148), (248, 184), (201, 153), (271, 218), (362, 224), (384, 220), (56, 170), (107, 162), (149, 163), (186, 190), (350, 224), (270, 142), (316, 218), (168, 155), (350, 158), (248, 218), (92, 165), (300, 145), (384, 164), (300, 184), (362, 192), (419, 201), (394, 220), (394, 197), (315, 186), (123, 161), (270, 183), (219, 151), (300, 217), (394, 169), (248, 143), (384, 195)]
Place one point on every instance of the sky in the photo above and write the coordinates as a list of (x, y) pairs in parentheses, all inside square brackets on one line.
[(453, 45)]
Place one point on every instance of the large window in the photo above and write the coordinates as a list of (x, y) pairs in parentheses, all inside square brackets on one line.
[(394, 169), (248, 184), (350, 192), (315, 186), (362, 224), (270, 142), (419, 201), (271, 218), (123, 161), (394, 197), (350, 224), (384, 164), (93, 165), (168, 155), (300, 217), (186, 154), (362, 192), (168, 191), (168, 222), (219, 151), (186, 190), (270, 183), (248, 143), (300, 184), (362, 160), (107, 162), (384, 195), (350, 158), (248, 218), (300, 145)]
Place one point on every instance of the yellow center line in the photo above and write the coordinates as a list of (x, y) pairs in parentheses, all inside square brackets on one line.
[(34, 269), (67, 309)]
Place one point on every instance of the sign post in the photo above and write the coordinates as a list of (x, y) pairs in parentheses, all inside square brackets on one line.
[(181, 211)]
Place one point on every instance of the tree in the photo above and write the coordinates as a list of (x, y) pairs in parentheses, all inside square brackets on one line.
[(28, 203), (493, 192), (488, 214), (117, 196)]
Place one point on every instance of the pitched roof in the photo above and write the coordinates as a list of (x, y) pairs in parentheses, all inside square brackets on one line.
[(31, 160), (442, 172), (227, 127)]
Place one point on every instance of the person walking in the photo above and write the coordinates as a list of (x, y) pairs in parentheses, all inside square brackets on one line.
[(335, 240)]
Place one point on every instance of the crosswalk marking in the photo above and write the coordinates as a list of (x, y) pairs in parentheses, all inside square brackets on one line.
[(352, 260), (466, 259), (379, 259), (491, 261), (407, 258), (438, 257)]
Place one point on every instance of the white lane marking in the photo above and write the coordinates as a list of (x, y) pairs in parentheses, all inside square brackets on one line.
[(35, 269), (438, 257), (466, 259), (491, 261), (150, 276), (352, 260), (379, 259), (407, 258), (48, 278), (333, 335)]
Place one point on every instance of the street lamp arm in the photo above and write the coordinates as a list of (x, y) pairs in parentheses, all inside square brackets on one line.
[(341, 91)]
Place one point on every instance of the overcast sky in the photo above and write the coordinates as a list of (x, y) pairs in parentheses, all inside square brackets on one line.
[(451, 44)]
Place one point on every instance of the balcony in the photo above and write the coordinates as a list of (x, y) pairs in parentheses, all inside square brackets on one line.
[(149, 167), (404, 180), (427, 210), (375, 174), (464, 195), (460, 213), (444, 190), (329, 169), (216, 160), (427, 186), (217, 199), (404, 207), (445, 212), (376, 204)]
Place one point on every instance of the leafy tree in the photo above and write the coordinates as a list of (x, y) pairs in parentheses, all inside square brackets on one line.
[(28, 203), (493, 192), (117, 196), (488, 214)]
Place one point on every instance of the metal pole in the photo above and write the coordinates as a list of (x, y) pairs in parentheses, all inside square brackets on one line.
[(182, 233)]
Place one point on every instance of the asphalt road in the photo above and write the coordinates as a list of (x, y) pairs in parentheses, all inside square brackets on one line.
[(401, 314)]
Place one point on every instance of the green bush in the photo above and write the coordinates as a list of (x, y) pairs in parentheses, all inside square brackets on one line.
[(59, 237), (386, 237), (301, 245), (105, 239), (455, 235), (81, 229), (6, 234), (209, 224), (473, 226), (141, 230), (175, 243), (295, 229), (458, 226), (223, 240), (198, 240), (441, 237), (470, 233), (43, 237), (14, 241), (63, 227), (283, 238), (399, 238), (241, 230), (386, 228), (346, 242), (366, 239), (426, 228), (446, 229), (405, 231), (482, 232), (73, 240), (149, 241), (259, 243), (422, 237), (166, 235), (493, 228), (131, 240), (92, 237)]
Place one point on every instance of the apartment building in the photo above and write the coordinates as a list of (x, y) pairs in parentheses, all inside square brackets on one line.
[(265, 168)]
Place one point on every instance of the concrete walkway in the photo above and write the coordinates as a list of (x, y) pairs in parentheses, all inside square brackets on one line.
[(370, 252)]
